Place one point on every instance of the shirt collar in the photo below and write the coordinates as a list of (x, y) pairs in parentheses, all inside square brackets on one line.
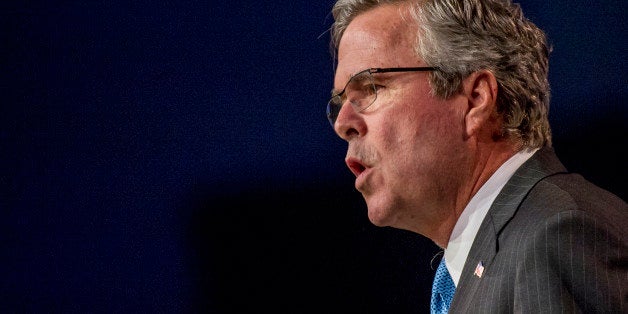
[(469, 222)]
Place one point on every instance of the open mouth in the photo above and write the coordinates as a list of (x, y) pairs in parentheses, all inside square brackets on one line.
[(355, 166)]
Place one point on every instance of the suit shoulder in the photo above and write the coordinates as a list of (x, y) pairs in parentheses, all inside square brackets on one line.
[(565, 192)]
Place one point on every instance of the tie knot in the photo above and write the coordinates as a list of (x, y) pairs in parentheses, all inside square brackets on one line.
[(443, 289)]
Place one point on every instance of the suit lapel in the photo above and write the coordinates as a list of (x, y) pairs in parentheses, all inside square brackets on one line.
[(484, 248)]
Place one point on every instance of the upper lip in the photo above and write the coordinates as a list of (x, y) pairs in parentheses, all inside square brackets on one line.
[(355, 165)]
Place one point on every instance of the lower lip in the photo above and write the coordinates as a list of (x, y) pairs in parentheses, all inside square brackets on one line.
[(360, 180)]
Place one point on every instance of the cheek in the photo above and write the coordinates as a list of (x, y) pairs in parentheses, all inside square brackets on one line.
[(404, 125), (399, 142), (417, 127), (413, 136)]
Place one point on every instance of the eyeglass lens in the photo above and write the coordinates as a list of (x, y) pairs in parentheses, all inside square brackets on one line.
[(360, 91)]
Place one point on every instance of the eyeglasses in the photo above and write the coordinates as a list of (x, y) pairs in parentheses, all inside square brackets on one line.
[(361, 90)]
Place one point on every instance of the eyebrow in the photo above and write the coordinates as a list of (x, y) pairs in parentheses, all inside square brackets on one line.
[(335, 92)]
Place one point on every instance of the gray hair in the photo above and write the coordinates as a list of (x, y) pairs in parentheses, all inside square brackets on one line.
[(463, 36)]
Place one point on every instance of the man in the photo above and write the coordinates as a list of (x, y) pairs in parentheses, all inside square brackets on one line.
[(444, 106)]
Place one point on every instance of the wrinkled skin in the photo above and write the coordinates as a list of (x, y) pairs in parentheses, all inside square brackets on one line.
[(417, 158)]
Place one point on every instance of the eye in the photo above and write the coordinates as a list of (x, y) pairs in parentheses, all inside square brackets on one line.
[(368, 88), (378, 88)]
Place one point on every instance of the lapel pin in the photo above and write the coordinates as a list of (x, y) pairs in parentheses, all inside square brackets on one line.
[(479, 269)]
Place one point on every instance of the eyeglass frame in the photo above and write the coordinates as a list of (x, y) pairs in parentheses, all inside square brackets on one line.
[(371, 71)]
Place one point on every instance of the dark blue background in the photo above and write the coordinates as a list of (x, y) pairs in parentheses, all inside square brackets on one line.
[(174, 157)]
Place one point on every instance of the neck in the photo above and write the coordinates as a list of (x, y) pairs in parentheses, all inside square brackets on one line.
[(485, 161)]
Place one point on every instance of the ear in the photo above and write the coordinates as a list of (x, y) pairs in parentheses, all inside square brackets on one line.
[(480, 91)]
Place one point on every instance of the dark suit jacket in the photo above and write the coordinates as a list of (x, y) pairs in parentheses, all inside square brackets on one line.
[(552, 242)]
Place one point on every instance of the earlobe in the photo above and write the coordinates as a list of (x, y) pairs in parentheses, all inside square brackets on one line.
[(480, 89)]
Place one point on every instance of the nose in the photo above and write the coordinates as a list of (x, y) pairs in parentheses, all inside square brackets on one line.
[(349, 123)]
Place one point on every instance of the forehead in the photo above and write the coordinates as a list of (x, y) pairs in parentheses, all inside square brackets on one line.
[(382, 37)]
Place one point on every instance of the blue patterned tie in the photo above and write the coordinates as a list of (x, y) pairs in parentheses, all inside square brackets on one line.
[(443, 290)]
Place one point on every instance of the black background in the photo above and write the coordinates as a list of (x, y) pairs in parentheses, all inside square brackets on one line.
[(164, 156)]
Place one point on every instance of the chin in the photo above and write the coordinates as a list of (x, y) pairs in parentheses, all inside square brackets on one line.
[(384, 209), (379, 216)]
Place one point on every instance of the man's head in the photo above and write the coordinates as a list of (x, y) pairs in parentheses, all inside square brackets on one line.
[(461, 37), (424, 145)]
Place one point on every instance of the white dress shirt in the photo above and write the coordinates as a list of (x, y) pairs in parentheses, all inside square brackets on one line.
[(468, 223)]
